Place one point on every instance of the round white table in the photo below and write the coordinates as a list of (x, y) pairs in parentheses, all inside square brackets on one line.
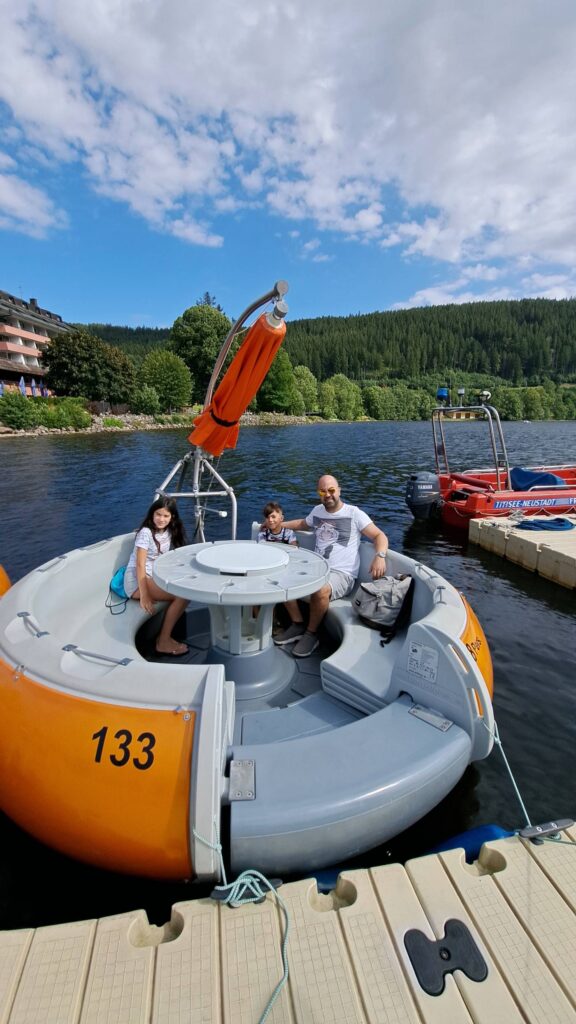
[(240, 582)]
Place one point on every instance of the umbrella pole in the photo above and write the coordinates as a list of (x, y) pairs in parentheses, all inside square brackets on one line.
[(202, 460)]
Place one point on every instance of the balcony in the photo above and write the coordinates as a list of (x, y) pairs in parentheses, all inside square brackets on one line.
[(18, 332), (19, 349)]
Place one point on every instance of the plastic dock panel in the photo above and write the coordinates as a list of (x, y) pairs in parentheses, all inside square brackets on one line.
[(349, 959), (550, 554)]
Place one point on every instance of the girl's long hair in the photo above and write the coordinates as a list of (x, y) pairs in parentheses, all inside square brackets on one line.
[(175, 526)]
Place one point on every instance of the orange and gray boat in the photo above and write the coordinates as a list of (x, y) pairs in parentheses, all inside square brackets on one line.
[(161, 767)]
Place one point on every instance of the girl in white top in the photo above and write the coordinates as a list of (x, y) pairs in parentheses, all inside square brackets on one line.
[(160, 531)]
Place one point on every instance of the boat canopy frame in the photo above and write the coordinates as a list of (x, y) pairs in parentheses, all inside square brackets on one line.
[(458, 412), (199, 463)]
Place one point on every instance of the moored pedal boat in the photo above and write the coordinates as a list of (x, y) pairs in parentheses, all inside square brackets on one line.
[(140, 766), (149, 765)]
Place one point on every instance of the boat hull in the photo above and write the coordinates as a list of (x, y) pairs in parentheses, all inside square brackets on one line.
[(128, 763), (476, 495), (77, 774), (456, 497)]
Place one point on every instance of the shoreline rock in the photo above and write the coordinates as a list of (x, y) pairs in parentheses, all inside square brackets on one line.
[(131, 422)]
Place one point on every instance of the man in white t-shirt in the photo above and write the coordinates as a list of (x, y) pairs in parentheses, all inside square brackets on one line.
[(337, 528)]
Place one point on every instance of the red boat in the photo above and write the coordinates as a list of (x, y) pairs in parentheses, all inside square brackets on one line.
[(457, 496)]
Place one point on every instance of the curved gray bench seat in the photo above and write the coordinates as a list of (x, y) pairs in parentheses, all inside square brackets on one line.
[(56, 625), (361, 670), (371, 778)]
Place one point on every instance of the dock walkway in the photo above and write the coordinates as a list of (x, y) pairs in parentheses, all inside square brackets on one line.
[(347, 954), (551, 554)]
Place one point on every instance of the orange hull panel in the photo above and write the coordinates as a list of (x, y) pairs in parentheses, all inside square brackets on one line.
[(4, 581), (476, 644), (105, 783)]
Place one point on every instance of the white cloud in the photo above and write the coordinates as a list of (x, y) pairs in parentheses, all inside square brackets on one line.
[(481, 272), (453, 293), (445, 131), (27, 209), (550, 286), (457, 291), (311, 251)]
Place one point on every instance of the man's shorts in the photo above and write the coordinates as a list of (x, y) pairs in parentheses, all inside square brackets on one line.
[(342, 584)]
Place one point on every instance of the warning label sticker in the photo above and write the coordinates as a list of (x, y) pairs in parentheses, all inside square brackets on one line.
[(423, 661)]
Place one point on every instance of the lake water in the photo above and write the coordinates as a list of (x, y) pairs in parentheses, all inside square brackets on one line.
[(59, 493)]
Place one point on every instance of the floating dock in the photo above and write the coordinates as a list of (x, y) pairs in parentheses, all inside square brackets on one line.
[(435, 941), (549, 553)]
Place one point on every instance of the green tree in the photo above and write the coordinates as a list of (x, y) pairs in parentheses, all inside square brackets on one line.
[(508, 402), (197, 338), (308, 387), (170, 378), (278, 392), (371, 401), (533, 408), (120, 376), (81, 365), (347, 397), (209, 300), (406, 402), (327, 400), (145, 400), (426, 402)]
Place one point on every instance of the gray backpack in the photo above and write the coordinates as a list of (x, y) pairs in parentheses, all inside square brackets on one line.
[(386, 604)]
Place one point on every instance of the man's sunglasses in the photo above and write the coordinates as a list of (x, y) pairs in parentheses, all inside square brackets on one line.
[(324, 493)]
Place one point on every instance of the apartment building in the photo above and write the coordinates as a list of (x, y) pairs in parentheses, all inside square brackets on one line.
[(25, 333)]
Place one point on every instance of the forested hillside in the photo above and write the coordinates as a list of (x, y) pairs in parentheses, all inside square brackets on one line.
[(524, 341), (136, 342), (521, 342)]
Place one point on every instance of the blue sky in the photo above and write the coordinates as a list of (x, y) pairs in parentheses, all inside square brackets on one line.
[(381, 155)]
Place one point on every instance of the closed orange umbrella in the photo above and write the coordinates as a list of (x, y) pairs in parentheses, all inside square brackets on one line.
[(217, 427)]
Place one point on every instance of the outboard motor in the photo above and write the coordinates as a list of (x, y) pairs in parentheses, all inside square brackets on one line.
[(423, 495)]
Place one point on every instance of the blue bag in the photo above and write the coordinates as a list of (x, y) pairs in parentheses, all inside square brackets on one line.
[(116, 586), (117, 583)]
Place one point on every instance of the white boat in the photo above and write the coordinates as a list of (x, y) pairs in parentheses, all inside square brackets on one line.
[(285, 765)]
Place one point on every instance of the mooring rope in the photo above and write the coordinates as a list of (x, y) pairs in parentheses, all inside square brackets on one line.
[(217, 847), (561, 842), (536, 829), (496, 738), (251, 887)]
